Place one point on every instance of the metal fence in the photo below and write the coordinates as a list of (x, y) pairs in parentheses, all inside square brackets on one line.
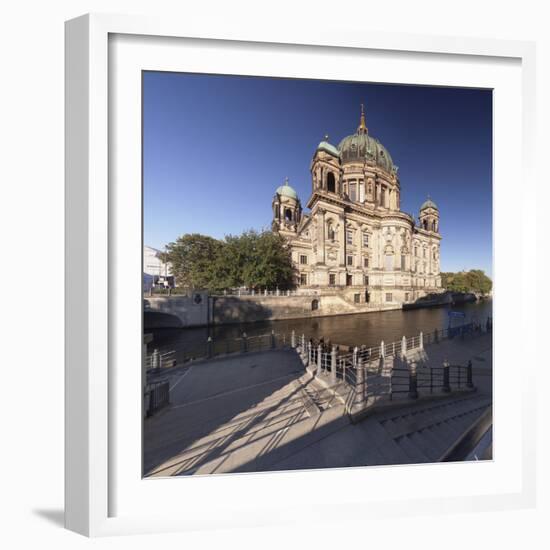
[(157, 360), (156, 396)]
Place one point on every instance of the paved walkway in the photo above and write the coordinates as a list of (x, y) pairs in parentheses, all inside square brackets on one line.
[(264, 412)]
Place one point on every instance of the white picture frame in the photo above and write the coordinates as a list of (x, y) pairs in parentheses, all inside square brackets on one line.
[(103, 415)]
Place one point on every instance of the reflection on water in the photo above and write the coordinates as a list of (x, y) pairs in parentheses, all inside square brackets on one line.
[(357, 329)]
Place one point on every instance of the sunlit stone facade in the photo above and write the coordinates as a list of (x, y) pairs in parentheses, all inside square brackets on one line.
[(356, 239)]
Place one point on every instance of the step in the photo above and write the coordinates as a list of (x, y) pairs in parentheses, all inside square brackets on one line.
[(431, 444), (414, 454)]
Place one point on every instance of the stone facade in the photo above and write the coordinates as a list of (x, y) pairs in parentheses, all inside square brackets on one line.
[(355, 238)]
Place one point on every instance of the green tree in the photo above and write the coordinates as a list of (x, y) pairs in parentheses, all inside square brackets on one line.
[(253, 259), (193, 257), (474, 280)]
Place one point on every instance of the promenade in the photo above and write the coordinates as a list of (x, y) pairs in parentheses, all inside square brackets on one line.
[(265, 412)]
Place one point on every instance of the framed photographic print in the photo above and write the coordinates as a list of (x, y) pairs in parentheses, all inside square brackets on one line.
[(288, 275)]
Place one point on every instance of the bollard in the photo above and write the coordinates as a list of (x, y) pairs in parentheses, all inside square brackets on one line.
[(421, 340), (403, 347), (209, 347), (293, 340), (446, 378), (319, 359), (245, 343), (272, 339), (413, 382), (333, 360), (469, 377), (360, 384)]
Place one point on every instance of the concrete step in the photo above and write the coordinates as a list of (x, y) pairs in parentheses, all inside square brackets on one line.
[(413, 453)]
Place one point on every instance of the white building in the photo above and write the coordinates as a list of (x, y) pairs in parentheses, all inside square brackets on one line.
[(155, 271)]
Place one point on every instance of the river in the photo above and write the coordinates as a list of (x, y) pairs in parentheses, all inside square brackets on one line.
[(353, 330)]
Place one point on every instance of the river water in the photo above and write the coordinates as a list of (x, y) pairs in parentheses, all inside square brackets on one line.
[(353, 330)]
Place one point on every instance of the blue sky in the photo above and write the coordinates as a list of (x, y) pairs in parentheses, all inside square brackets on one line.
[(215, 148)]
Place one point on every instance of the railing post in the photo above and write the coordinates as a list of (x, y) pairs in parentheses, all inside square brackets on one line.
[(421, 340), (413, 382), (436, 336), (382, 349), (209, 347), (293, 340), (403, 347), (155, 360), (360, 384), (446, 377), (309, 353), (355, 356), (333, 365), (272, 339), (245, 343), (469, 377), (319, 359)]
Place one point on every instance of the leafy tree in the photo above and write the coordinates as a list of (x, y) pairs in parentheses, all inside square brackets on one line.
[(193, 257), (474, 280), (253, 259)]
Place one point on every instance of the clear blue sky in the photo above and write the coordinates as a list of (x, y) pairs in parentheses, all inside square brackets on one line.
[(216, 148)]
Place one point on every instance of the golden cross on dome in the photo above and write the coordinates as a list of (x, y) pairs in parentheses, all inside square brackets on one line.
[(362, 122)]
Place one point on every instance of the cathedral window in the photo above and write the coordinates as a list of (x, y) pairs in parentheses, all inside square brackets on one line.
[(332, 279), (389, 297), (288, 215), (350, 260), (353, 191), (314, 305), (349, 236), (331, 183), (389, 262), (365, 239), (303, 259), (357, 298), (403, 260), (303, 278), (365, 262), (366, 280)]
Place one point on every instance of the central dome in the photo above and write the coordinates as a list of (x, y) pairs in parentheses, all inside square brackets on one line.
[(360, 147)]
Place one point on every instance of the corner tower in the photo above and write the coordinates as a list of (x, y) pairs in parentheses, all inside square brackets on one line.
[(287, 209)]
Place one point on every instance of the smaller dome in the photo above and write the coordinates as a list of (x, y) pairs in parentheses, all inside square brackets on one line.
[(286, 191), (428, 204), (328, 148)]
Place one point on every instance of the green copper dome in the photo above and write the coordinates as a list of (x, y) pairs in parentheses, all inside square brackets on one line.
[(286, 191), (360, 147), (428, 204), (328, 148)]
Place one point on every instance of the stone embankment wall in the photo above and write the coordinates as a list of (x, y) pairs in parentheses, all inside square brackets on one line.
[(190, 311), (233, 309)]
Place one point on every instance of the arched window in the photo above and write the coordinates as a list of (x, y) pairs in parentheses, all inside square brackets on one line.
[(425, 224), (433, 226), (331, 183), (330, 231), (276, 211), (314, 305), (288, 214)]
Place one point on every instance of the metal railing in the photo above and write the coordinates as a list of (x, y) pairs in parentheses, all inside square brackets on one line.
[(157, 359), (156, 396)]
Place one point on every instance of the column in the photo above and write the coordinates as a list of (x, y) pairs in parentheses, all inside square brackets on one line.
[(320, 236)]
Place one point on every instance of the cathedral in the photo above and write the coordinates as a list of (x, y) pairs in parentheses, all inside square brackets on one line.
[(355, 240)]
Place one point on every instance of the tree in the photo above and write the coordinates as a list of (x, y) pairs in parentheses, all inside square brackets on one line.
[(474, 280), (253, 259), (256, 259), (193, 257)]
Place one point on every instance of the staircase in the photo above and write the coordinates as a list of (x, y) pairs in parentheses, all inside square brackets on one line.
[(424, 432)]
